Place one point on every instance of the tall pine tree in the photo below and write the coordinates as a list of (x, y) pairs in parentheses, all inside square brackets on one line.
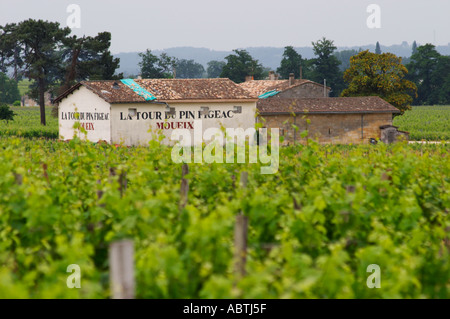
[(414, 47), (378, 48), (39, 41)]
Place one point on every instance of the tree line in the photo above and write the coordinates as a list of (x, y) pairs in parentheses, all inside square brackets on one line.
[(422, 79)]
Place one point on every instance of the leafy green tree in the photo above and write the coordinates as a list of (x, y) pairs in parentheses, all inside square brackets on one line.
[(39, 41), (378, 48), (149, 65), (214, 69), (381, 75), (153, 67), (189, 69), (291, 63), (6, 114), (424, 70), (241, 64), (344, 57), (326, 66), (167, 64), (441, 80), (9, 91)]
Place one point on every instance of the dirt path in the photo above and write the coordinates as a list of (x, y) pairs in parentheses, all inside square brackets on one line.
[(427, 142)]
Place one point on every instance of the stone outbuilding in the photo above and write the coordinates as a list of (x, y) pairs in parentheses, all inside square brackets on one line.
[(391, 134), (290, 88), (339, 120), (132, 111)]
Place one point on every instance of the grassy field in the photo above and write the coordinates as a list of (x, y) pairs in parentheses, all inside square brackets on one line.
[(27, 124), (430, 123)]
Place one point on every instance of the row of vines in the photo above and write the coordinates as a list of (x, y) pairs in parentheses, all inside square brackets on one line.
[(314, 227)]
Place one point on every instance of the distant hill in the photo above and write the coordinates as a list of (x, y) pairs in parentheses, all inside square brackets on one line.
[(269, 56)]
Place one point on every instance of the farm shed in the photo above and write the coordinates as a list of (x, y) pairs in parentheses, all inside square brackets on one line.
[(290, 88), (125, 110), (338, 120)]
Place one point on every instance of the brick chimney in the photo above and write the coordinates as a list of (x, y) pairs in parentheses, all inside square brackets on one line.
[(291, 79), (249, 78), (277, 77), (271, 75)]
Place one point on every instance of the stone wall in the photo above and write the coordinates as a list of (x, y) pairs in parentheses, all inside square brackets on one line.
[(329, 128)]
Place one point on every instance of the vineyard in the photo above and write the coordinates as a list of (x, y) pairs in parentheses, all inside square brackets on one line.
[(430, 123), (314, 227), (27, 124)]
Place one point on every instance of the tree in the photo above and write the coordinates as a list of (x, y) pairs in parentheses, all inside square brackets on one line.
[(291, 63), (240, 65), (326, 66), (167, 64), (6, 114), (414, 47), (214, 69), (441, 80), (10, 51), (108, 66), (87, 58), (382, 75), (153, 67), (39, 41), (189, 69), (344, 57), (377, 48), (9, 91), (423, 70), (148, 65)]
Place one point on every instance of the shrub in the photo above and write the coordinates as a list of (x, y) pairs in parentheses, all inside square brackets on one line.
[(6, 113)]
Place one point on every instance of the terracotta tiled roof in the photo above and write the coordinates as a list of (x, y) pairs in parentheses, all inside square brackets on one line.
[(258, 87), (164, 90), (364, 104)]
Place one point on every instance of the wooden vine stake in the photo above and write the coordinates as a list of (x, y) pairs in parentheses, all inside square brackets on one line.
[(184, 190), (123, 183), (121, 269), (240, 236)]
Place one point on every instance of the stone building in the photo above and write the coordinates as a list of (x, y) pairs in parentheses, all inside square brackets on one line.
[(290, 88), (339, 120), (25, 100), (132, 111)]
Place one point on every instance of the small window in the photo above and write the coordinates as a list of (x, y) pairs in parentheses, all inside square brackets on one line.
[(132, 112), (281, 131), (237, 109), (204, 110), (170, 111)]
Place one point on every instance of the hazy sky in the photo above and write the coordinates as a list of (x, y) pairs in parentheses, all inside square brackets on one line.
[(136, 25)]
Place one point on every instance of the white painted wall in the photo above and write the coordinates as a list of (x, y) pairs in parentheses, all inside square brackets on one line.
[(91, 109), (136, 131)]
